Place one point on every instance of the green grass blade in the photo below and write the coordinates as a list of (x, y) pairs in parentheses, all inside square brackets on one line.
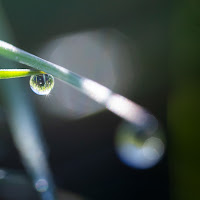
[(17, 73), (116, 103)]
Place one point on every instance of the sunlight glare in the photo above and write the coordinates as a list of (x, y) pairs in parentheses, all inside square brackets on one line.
[(96, 91)]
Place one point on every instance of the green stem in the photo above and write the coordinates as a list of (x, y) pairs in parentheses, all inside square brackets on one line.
[(17, 73)]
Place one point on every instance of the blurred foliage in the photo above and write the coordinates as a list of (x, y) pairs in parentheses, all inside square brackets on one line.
[(184, 100)]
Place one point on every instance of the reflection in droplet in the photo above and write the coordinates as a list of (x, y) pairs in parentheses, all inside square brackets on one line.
[(42, 84), (137, 148), (41, 185)]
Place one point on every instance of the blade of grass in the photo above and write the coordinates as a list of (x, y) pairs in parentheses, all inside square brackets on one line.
[(17, 73), (118, 104)]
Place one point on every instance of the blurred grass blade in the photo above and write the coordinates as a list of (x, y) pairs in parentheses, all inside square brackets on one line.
[(24, 125), (17, 73)]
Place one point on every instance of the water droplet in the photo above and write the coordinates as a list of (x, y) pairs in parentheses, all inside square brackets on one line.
[(42, 84), (41, 185), (139, 149)]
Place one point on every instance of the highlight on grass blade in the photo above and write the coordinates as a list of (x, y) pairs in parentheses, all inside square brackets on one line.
[(18, 73)]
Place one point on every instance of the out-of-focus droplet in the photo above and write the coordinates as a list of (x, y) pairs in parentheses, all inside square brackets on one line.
[(41, 185), (139, 149), (42, 84)]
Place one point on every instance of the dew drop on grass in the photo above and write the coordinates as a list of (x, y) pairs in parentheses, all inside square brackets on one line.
[(42, 84)]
